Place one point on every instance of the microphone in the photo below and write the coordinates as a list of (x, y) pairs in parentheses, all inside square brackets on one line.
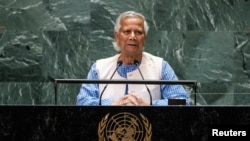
[(119, 63), (150, 95)]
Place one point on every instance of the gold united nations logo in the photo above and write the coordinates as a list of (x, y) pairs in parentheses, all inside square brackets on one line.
[(124, 127)]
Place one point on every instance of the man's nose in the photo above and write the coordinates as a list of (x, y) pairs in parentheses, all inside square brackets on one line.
[(132, 36)]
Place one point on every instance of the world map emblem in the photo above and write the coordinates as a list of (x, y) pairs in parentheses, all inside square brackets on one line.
[(124, 127)]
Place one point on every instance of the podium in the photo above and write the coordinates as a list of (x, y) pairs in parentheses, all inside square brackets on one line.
[(123, 123), (96, 123)]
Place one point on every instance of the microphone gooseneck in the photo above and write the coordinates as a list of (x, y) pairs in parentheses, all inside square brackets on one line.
[(136, 62), (118, 64)]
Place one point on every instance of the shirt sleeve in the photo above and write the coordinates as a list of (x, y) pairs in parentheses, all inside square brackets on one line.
[(89, 93), (170, 91)]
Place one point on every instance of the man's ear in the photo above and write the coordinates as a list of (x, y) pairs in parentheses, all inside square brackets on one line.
[(116, 35)]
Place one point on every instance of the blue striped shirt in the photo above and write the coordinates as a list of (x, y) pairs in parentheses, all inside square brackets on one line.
[(89, 93)]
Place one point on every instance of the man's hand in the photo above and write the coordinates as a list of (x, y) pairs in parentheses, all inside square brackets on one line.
[(131, 100)]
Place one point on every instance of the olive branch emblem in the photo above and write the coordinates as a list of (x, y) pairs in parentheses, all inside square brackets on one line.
[(101, 128), (148, 128), (103, 122)]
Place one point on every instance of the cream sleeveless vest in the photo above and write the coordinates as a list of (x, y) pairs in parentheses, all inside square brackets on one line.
[(151, 67)]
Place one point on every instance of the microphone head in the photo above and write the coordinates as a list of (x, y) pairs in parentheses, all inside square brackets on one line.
[(136, 62), (119, 63)]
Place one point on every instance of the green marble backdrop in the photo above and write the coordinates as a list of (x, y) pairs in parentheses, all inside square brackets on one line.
[(203, 40)]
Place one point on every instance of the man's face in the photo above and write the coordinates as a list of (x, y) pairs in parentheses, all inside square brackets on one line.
[(131, 36)]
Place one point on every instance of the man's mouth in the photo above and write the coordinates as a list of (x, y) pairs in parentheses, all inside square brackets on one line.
[(132, 45)]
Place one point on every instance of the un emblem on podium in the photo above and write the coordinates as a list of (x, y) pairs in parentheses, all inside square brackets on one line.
[(124, 127)]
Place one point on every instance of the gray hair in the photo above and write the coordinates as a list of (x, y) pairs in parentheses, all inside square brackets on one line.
[(123, 16)]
